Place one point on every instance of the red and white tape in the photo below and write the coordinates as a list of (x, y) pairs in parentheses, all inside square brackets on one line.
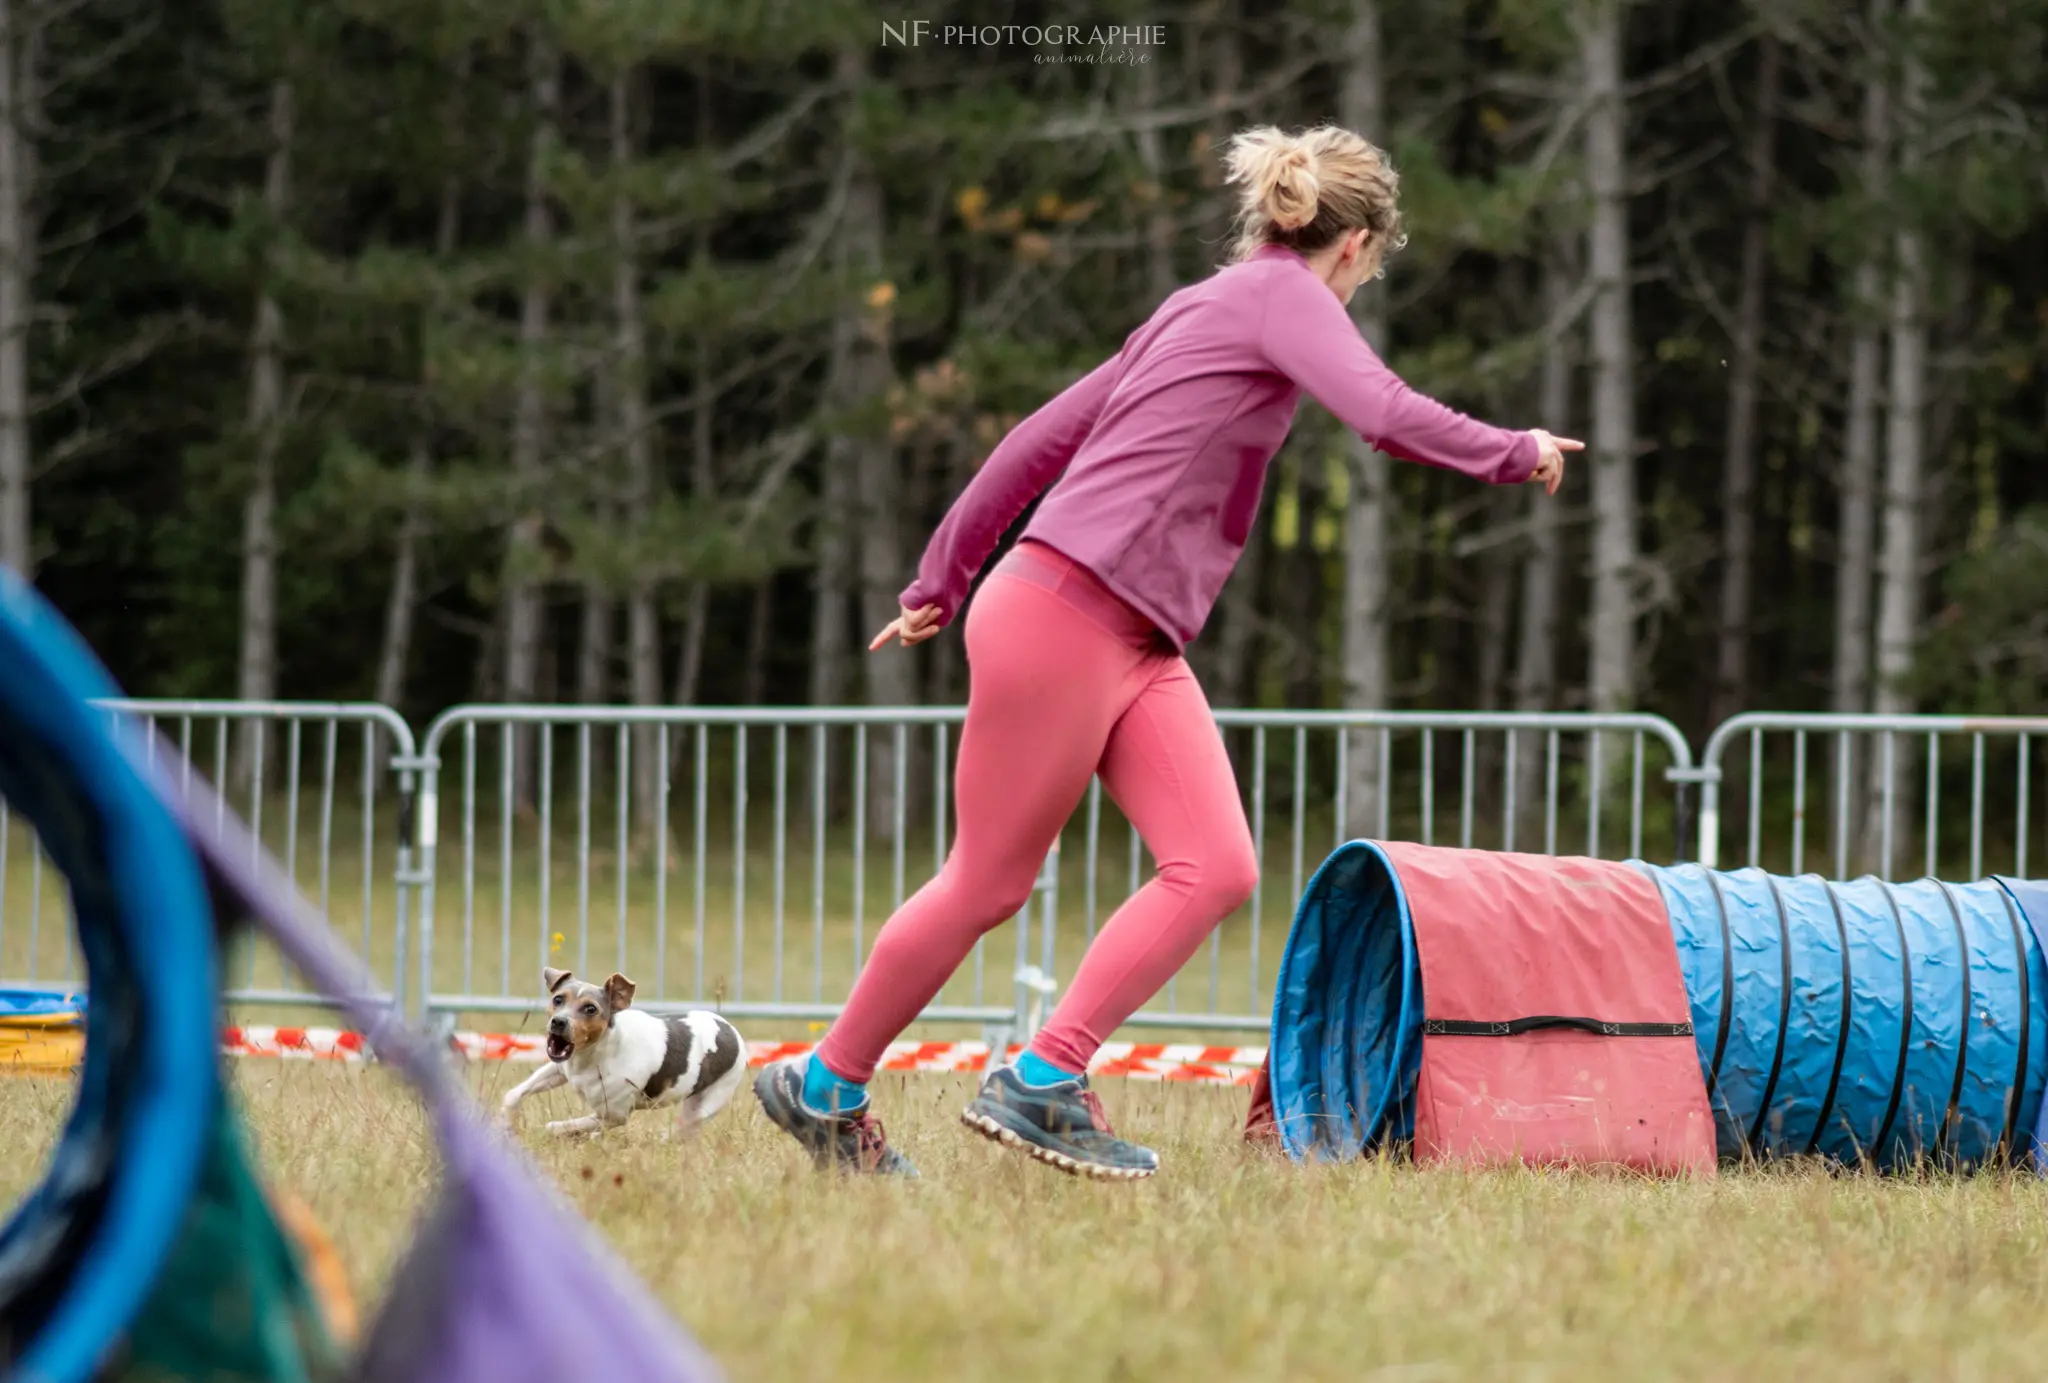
[(1182, 1062)]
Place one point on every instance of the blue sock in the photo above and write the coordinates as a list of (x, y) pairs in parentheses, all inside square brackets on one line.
[(1034, 1069), (827, 1093)]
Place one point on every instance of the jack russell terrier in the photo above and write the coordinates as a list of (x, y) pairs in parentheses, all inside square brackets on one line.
[(620, 1059)]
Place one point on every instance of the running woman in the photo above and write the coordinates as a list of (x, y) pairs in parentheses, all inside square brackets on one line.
[(1156, 461)]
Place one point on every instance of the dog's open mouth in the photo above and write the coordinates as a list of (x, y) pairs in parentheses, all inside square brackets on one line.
[(559, 1047)]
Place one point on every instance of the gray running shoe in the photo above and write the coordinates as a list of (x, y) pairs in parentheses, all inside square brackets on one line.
[(1062, 1125), (850, 1140)]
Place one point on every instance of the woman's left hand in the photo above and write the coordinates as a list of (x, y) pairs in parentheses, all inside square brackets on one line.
[(912, 627), (1549, 472)]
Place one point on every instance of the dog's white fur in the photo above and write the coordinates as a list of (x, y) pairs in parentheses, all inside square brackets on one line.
[(611, 1073)]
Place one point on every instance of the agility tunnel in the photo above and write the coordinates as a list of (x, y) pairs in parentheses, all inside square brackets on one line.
[(1478, 1006), (151, 1250)]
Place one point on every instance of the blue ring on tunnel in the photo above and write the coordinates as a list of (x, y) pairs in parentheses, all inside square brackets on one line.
[(148, 1094)]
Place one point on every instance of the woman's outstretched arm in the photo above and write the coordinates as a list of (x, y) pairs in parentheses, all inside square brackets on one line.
[(1308, 336), (1030, 458)]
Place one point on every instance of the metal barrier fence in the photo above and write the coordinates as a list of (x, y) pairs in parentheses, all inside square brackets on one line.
[(744, 857), (1876, 792), (308, 778)]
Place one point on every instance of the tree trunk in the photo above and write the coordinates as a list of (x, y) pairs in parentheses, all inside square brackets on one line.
[(1543, 567), (1159, 275), (18, 250), (861, 373), (1611, 681), (1899, 589), (629, 399), (1497, 601), (760, 624), (1857, 523), (525, 612), (594, 648), (703, 471), (256, 679), (1365, 652), (1738, 466), (402, 604)]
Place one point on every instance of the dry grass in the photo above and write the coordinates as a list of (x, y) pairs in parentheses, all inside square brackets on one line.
[(1230, 1265)]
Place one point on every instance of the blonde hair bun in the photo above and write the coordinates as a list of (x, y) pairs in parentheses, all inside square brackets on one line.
[(1278, 173), (1305, 190)]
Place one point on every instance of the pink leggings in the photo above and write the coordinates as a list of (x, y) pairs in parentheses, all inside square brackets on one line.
[(1066, 681)]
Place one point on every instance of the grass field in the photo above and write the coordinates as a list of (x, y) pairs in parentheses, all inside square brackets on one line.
[(1231, 1265)]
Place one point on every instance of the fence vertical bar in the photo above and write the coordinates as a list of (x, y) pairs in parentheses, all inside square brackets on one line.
[(1798, 802), (2019, 867), (583, 847), (546, 741), (780, 847), (1933, 803), (701, 791), (1301, 800), (819, 743), (329, 754), (370, 862), (1386, 788), (1842, 760), (1635, 803), (860, 842), (901, 810), (1976, 807), (1756, 795), (1596, 776), (506, 751), (662, 770), (1467, 770), (1429, 787), (739, 862), (622, 789), (1508, 795), (1550, 776), (1343, 793), (1890, 784), (294, 739)]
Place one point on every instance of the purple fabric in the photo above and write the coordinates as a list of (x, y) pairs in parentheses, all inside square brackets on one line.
[(475, 1301), (1165, 445)]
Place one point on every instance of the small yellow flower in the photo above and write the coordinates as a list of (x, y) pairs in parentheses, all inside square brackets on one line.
[(881, 295), (557, 940), (971, 204)]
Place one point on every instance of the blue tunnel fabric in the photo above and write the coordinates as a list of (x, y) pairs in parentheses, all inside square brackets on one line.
[(1347, 1012), (82, 1252), (1863, 1019), (2031, 897)]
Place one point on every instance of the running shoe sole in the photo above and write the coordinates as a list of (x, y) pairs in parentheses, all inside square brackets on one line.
[(996, 1132)]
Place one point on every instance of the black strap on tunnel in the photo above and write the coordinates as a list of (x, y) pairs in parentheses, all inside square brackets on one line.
[(1946, 1142), (1515, 1027), (1727, 989), (1827, 1104), (1891, 1109), (1763, 1108), (2019, 1075)]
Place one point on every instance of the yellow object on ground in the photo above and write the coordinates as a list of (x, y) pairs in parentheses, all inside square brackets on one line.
[(41, 1044)]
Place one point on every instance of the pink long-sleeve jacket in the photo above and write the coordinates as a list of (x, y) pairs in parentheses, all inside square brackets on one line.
[(1165, 445)]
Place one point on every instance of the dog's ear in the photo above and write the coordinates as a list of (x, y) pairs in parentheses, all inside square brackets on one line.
[(554, 979), (619, 990)]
